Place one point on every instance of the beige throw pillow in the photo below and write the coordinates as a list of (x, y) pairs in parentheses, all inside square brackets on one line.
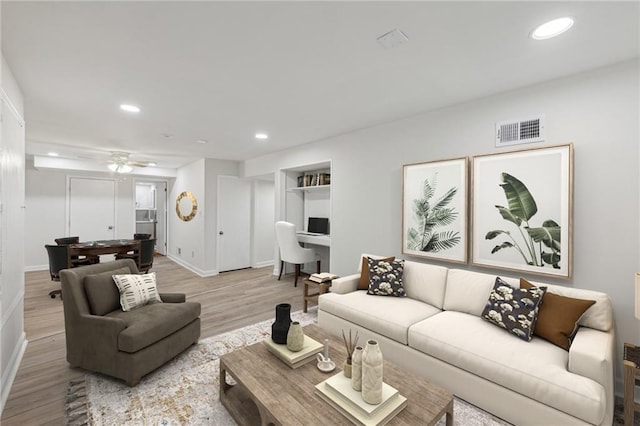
[(137, 290)]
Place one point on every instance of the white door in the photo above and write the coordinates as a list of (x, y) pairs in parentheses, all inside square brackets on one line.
[(92, 209), (234, 223), (161, 217)]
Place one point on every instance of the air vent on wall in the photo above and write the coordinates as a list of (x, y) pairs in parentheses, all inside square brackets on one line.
[(515, 132)]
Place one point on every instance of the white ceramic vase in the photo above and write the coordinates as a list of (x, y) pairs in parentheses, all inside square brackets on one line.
[(372, 373), (295, 337), (356, 368)]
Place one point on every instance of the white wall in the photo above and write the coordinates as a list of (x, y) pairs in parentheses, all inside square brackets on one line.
[(598, 111), (46, 201), (12, 147), (263, 223)]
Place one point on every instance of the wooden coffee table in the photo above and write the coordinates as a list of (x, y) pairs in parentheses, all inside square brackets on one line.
[(268, 392)]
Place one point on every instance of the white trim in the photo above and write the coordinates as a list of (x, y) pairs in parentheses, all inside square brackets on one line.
[(263, 264), (6, 314), (34, 268), (192, 268), (12, 107), (12, 369)]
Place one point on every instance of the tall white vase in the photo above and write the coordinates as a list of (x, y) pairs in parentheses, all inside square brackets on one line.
[(372, 373), (356, 368), (295, 337)]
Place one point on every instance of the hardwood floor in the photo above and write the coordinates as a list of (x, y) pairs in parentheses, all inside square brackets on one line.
[(230, 300)]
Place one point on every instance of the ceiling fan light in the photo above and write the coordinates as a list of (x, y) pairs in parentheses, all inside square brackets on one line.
[(125, 168), (113, 167)]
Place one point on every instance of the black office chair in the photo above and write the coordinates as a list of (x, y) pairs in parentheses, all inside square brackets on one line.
[(141, 236), (59, 259), (147, 248), (76, 260)]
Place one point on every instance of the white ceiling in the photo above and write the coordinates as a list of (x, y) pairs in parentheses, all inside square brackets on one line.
[(301, 71)]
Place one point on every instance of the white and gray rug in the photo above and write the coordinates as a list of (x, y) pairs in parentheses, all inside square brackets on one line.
[(185, 390)]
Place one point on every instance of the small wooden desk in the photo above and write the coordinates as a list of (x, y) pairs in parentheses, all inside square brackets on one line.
[(630, 372), (97, 248), (322, 288)]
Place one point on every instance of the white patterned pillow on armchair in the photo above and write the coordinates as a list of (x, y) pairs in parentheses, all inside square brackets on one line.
[(137, 290)]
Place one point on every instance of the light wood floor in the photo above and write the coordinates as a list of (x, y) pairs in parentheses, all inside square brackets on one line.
[(230, 300)]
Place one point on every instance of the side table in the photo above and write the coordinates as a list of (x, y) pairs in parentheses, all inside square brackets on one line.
[(631, 371), (321, 289)]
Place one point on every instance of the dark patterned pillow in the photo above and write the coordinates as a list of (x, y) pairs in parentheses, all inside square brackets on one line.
[(514, 309), (385, 278)]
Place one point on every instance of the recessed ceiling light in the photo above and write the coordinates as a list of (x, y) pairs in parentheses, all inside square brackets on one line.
[(129, 108), (262, 136), (552, 28), (53, 154), (202, 141)]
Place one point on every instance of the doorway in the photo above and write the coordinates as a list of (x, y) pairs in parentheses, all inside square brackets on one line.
[(151, 211)]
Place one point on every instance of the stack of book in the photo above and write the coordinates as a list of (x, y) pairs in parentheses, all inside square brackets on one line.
[(295, 359), (322, 277), (337, 391)]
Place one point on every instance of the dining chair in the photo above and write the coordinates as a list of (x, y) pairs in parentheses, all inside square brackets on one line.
[(141, 236), (59, 259), (76, 260), (147, 249), (292, 252)]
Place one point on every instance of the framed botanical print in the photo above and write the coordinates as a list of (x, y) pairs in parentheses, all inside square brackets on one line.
[(434, 210), (522, 210)]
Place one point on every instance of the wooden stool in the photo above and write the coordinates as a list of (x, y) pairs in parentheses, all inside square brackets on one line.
[(321, 287), (630, 373)]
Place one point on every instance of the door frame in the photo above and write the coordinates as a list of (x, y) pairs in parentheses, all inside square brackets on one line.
[(166, 207), (67, 220)]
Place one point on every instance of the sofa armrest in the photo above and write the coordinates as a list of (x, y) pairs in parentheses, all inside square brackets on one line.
[(173, 297), (591, 355), (346, 284)]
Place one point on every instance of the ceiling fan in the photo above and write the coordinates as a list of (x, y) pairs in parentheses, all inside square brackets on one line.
[(120, 163)]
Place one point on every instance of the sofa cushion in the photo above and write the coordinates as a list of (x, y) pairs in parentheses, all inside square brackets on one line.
[(137, 290), (385, 277), (558, 317), (425, 282), (514, 309), (102, 293), (363, 284), (151, 323), (388, 316), (536, 369), (468, 291)]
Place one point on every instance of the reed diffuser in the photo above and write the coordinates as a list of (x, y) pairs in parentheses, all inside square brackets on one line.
[(350, 345)]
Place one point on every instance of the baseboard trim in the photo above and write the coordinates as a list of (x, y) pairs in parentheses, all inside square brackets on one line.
[(263, 264), (192, 268), (12, 370), (34, 268)]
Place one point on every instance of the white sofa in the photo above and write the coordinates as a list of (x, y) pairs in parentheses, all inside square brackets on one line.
[(437, 332)]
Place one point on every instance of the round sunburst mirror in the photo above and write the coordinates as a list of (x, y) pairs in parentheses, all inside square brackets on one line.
[(186, 206)]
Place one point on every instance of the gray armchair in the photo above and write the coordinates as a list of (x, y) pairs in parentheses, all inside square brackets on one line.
[(127, 345)]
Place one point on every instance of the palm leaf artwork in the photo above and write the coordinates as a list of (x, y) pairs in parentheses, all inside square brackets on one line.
[(430, 216), (538, 246)]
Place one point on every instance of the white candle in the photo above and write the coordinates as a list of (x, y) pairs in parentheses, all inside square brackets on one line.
[(326, 348)]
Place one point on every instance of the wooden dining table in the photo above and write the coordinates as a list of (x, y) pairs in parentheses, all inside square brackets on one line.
[(94, 249)]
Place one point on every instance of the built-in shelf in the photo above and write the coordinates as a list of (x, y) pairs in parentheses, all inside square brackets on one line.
[(309, 188)]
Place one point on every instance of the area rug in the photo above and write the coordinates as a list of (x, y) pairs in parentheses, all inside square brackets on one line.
[(185, 390)]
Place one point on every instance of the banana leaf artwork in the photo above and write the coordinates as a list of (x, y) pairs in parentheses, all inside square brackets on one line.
[(522, 210), (434, 210)]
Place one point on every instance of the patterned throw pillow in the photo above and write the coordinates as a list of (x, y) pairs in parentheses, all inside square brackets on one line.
[(137, 290), (385, 278), (514, 309)]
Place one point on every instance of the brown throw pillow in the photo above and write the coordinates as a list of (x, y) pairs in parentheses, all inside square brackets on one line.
[(364, 274), (558, 316)]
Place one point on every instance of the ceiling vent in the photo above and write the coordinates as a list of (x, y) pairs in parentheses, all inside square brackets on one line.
[(516, 132)]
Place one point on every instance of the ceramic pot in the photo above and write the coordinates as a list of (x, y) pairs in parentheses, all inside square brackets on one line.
[(372, 373), (280, 328), (356, 368), (346, 369), (295, 337)]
